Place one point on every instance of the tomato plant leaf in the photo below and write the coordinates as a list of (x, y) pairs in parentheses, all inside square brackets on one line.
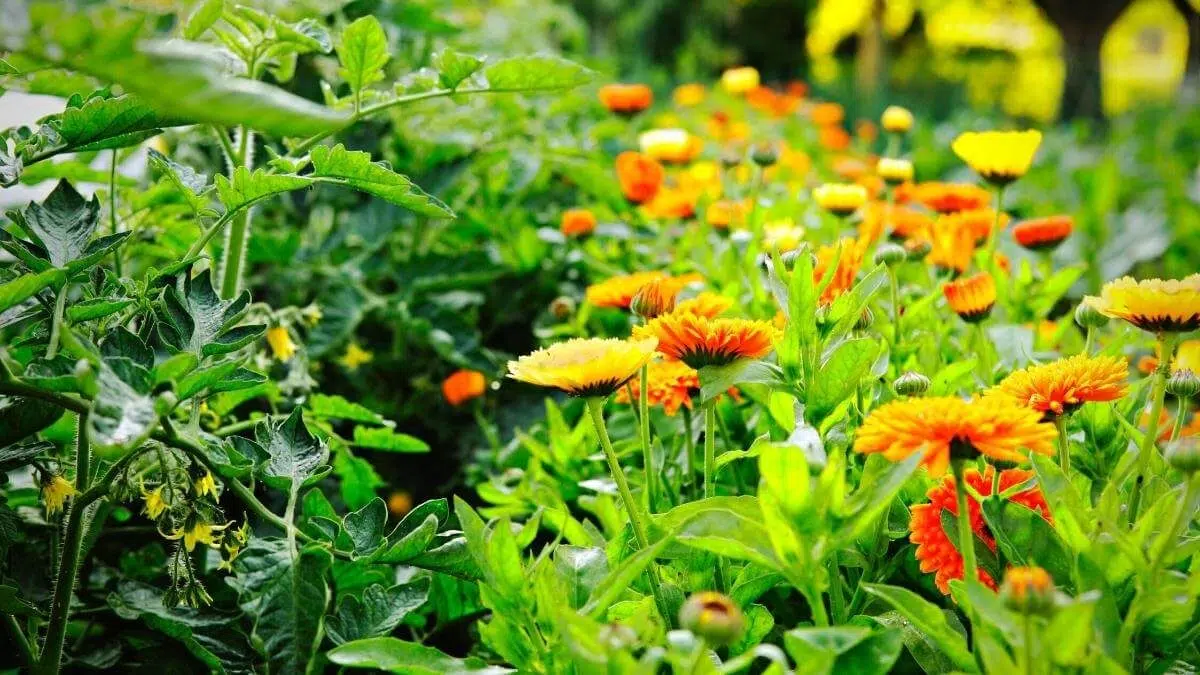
[(411, 658), (362, 52), (296, 458), (378, 612), (535, 73)]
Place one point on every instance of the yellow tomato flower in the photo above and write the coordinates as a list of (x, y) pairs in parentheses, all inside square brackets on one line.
[(199, 533), (584, 366), (355, 356), (999, 157), (281, 343), (205, 485), (55, 492), (155, 505)]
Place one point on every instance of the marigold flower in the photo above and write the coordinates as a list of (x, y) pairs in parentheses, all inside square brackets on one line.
[(154, 504), (833, 138), (894, 171), (462, 386), (999, 157), (280, 341), (671, 203), (700, 341), (827, 114), (971, 298), (896, 120), (205, 485), (1061, 386), (676, 146), (640, 176), (626, 99), (951, 197), (935, 551), (900, 222), (585, 366), (706, 304), (739, 80), (848, 256), (866, 131), (399, 503), (577, 222), (355, 356), (655, 297), (1043, 234), (725, 213), (978, 222), (619, 291), (782, 235), (951, 246), (941, 426), (1154, 305), (841, 199), (688, 95), (56, 490), (850, 168)]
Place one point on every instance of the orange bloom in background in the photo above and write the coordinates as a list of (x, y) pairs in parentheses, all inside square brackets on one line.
[(1153, 305), (978, 222), (671, 203), (827, 114), (866, 130), (619, 291), (932, 427), (850, 168), (848, 256), (797, 88), (951, 197), (702, 179), (399, 503), (935, 551), (462, 386), (793, 163), (640, 176), (626, 99), (971, 298), (707, 304), (908, 223), (904, 193), (725, 213), (1043, 234), (722, 129), (577, 222), (700, 341), (952, 246), (834, 138), (1062, 386), (688, 95), (873, 184)]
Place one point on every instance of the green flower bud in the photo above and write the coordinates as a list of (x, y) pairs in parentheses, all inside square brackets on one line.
[(890, 254), (1183, 384), (917, 249), (713, 617), (1184, 454), (764, 154), (731, 158), (562, 307), (1028, 590), (911, 383), (1088, 316)]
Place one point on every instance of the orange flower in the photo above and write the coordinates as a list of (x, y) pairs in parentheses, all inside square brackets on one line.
[(700, 341), (399, 503), (827, 114), (1042, 234), (848, 256), (688, 95), (935, 551), (866, 130), (978, 222), (626, 99), (724, 213), (952, 246), (577, 222), (619, 291), (850, 168), (640, 176), (462, 386), (655, 297), (971, 298), (907, 223), (707, 304), (669, 384), (1061, 386), (952, 197), (671, 203), (797, 88), (834, 138)]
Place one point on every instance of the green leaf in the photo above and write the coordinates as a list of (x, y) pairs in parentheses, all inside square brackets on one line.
[(453, 67), (247, 187), (1025, 538), (839, 377), (984, 557), (188, 182), (15, 456), (63, 224), (336, 407), (952, 378), (716, 380), (122, 413), (12, 603), (296, 458), (362, 52), (621, 578), (365, 527), (378, 612), (582, 569), (928, 619), (355, 169), (383, 438), (409, 658), (96, 308), (199, 380), (202, 18), (843, 649), (25, 286), (194, 318), (358, 477), (881, 481), (57, 374), (103, 123), (535, 73)]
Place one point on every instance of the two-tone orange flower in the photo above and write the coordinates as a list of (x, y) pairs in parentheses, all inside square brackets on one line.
[(1062, 386), (951, 197), (935, 551), (626, 99), (701, 341), (706, 304), (586, 367), (639, 176), (942, 427), (577, 222), (827, 114), (978, 222), (618, 291), (462, 386), (971, 298), (1043, 234), (1154, 305)]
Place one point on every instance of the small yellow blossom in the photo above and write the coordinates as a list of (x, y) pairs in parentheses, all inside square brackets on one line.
[(55, 492), (205, 485), (155, 505), (199, 533), (740, 80), (355, 356), (281, 343)]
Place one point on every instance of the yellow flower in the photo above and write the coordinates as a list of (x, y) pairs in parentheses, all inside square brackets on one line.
[(584, 366), (199, 533), (897, 120), (1155, 305), (312, 314), (894, 171), (687, 95), (281, 343), (619, 291), (971, 298), (840, 198), (740, 80), (1061, 386), (782, 235), (1187, 356), (205, 485), (999, 157), (55, 492), (700, 341), (670, 145), (155, 505), (355, 356)]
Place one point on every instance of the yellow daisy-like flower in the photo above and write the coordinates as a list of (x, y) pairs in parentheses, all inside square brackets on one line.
[(782, 235), (941, 427), (971, 298), (1187, 356), (896, 120), (894, 171), (688, 95), (56, 490), (707, 304), (1061, 386), (155, 504), (675, 146), (205, 485), (1155, 305), (999, 157), (281, 343), (840, 199), (355, 356), (584, 366), (700, 341)]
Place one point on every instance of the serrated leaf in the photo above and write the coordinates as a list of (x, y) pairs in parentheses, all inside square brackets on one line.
[(190, 183), (378, 612), (202, 18), (103, 123), (365, 526), (362, 52), (296, 458), (20, 454), (358, 478), (454, 67), (64, 223), (249, 187), (198, 319), (383, 438), (122, 414), (355, 169), (535, 73)]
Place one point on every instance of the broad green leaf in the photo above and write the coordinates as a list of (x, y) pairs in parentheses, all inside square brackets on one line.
[(621, 578), (103, 123), (839, 376), (16, 455), (844, 649), (383, 438), (984, 557), (535, 73), (96, 308), (202, 18), (453, 67), (188, 182), (247, 187), (365, 527), (12, 603), (199, 380), (358, 477), (336, 407), (362, 52), (1025, 538), (64, 224), (953, 378), (928, 619), (25, 286), (57, 374), (122, 413), (296, 457), (378, 612), (410, 658), (194, 318), (582, 569), (355, 169), (881, 481)]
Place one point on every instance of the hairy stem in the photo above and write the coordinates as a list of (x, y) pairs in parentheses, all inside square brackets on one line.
[(239, 231), (644, 436), (710, 449), (56, 321)]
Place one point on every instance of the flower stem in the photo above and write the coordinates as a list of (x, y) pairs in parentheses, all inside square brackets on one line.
[(710, 449), (596, 409), (1182, 516), (689, 444), (966, 537), (112, 209), (239, 230), (1087, 344), (644, 436), (1166, 349), (895, 306), (1027, 648), (56, 321), (1181, 412), (1064, 445), (24, 649)]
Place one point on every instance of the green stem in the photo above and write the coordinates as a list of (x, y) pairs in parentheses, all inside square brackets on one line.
[(983, 350), (198, 246), (235, 249), (24, 649), (596, 409), (644, 436), (689, 444), (994, 234), (1181, 412), (895, 306), (1166, 349), (1170, 541), (489, 433), (1027, 648), (816, 604), (1087, 344), (1064, 445), (710, 449), (112, 209), (56, 321), (837, 599), (966, 537)]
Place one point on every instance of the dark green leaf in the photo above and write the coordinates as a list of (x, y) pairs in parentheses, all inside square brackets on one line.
[(122, 413), (843, 649), (365, 526), (104, 123), (928, 619), (64, 223), (296, 458), (1025, 538), (378, 612), (383, 438), (25, 286)]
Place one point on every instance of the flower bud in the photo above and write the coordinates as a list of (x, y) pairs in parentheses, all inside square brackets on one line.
[(865, 320), (1028, 590), (655, 298), (764, 154), (890, 254), (917, 249), (1183, 384), (1087, 316), (894, 171), (562, 307), (911, 383), (897, 120), (841, 199), (1184, 454), (731, 158), (714, 617)]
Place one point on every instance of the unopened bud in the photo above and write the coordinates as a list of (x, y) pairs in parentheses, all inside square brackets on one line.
[(655, 298), (917, 249), (911, 383), (1028, 590), (1087, 316), (894, 171), (764, 154), (713, 617), (897, 120), (890, 254), (1183, 384), (562, 307), (1184, 454)]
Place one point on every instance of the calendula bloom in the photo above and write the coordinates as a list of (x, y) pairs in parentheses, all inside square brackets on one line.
[(671, 203), (850, 168), (894, 171), (847, 255), (585, 366), (951, 247), (782, 235), (280, 341), (999, 157), (618, 292), (577, 222), (355, 356), (1155, 305), (706, 304), (153, 503), (626, 99), (1043, 234), (688, 95), (199, 532), (640, 176), (840, 198), (676, 146), (700, 341), (1061, 386), (951, 197), (866, 131), (937, 428), (721, 127), (702, 179), (908, 223), (833, 138), (205, 485), (1028, 590), (978, 222), (1187, 356), (896, 120), (655, 297), (827, 114), (971, 298), (56, 490), (935, 551), (462, 386), (669, 385), (724, 214), (399, 503), (739, 80)]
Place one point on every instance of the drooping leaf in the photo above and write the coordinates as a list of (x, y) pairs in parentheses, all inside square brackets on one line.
[(355, 169), (928, 619), (378, 612), (384, 438), (247, 187), (25, 286), (122, 414), (64, 224), (102, 123), (582, 569), (336, 407), (411, 658)]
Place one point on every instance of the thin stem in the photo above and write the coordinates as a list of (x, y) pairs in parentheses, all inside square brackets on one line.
[(1181, 412), (1166, 349), (56, 321), (1087, 344), (982, 349), (1064, 445), (24, 649), (994, 234), (710, 449), (689, 444), (112, 209), (837, 598), (596, 408), (198, 246), (895, 306), (1168, 543), (966, 537), (235, 251), (489, 433), (643, 406), (1027, 648)]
